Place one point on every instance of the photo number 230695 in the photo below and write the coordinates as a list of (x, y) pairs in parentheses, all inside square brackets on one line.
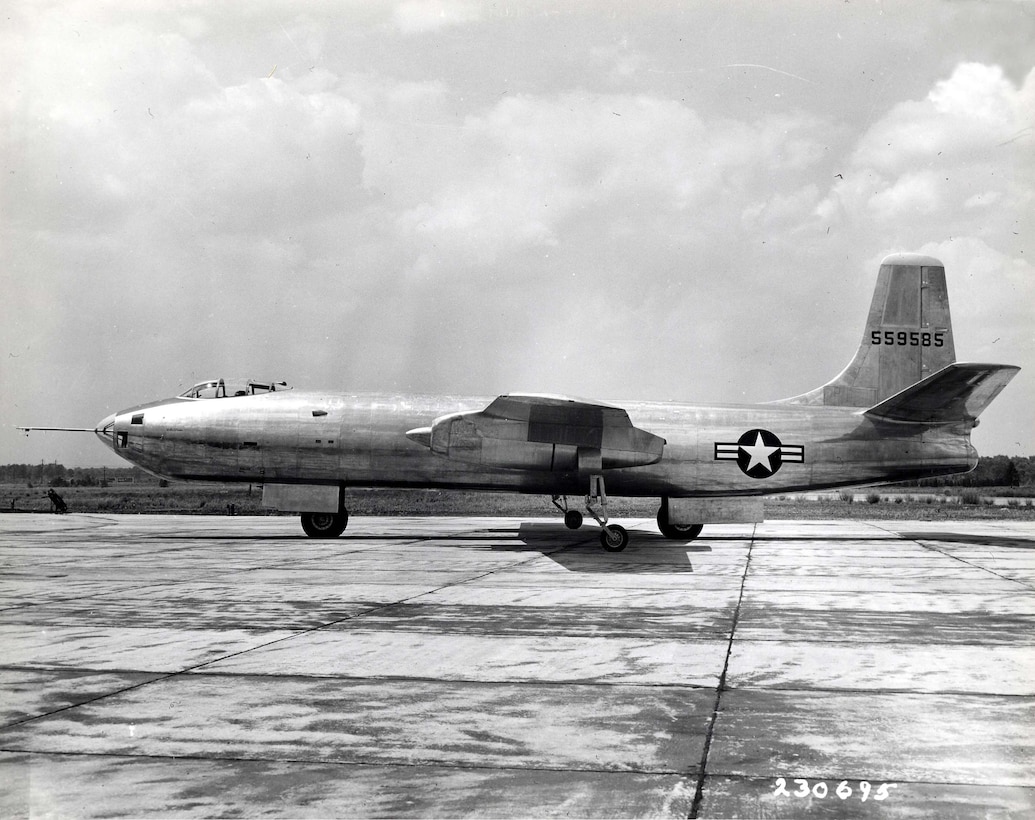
[(912, 338)]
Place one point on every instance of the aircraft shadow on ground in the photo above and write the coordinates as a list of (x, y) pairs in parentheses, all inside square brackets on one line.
[(648, 553), (1004, 541)]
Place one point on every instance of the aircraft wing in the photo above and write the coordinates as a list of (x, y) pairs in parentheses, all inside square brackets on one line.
[(958, 392), (535, 432)]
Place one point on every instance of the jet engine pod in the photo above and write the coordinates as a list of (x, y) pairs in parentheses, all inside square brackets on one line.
[(543, 433)]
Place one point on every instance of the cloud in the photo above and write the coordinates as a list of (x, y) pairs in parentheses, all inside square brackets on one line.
[(920, 165), (421, 16), (101, 134), (528, 171), (265, 152), (970, 112), (585, 225), (910, 195), (992, 296)]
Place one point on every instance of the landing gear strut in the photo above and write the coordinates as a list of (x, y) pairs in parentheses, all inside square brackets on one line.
[(613, 538), (325, 525)]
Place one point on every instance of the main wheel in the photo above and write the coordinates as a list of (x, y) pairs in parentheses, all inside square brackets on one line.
[(325, 525), (573, 519), (614, 538), (678, 532)]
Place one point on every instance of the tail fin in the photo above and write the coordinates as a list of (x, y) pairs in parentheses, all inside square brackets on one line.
[(956, 394), (908, 336)]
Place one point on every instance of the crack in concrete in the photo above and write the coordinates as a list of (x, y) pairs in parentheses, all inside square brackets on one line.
[(703, 771)]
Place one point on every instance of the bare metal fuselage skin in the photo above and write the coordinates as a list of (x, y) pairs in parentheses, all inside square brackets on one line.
[(360, 441)]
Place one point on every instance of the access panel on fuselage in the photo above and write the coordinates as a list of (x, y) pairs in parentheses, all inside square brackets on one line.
[(299, 443)]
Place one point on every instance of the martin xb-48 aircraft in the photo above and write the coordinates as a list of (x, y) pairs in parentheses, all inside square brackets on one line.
[(902, 409)]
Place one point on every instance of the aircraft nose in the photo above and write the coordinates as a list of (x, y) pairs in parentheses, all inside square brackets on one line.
[(105, 429)]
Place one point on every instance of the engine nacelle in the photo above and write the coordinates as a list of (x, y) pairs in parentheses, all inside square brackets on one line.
[(542, 433)]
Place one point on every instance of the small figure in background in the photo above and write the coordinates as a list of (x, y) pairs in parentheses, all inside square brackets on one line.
[(57, 502)]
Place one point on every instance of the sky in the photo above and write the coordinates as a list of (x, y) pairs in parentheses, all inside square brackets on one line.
[(680, 201)]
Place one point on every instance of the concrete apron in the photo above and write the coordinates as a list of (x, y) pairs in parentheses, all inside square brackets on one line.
[(499, 667)]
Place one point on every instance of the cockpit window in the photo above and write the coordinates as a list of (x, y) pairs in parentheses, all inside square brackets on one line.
[(206, 390), (254, 388), (221, 388)]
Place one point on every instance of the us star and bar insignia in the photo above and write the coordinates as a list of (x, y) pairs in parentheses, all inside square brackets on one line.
[(759, 453)]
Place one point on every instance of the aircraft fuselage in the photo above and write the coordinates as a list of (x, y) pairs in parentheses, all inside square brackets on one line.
[(360, 440)]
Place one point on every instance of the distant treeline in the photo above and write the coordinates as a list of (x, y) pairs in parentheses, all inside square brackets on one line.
[(58, 475), (992, 471)]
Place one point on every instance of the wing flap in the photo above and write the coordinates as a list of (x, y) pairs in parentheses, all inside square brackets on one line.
[(956, 393)]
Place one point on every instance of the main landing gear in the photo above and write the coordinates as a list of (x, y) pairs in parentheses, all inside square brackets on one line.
[(613, 537), (325, 525), (678, 532)]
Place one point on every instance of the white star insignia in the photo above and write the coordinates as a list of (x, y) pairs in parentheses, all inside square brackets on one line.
[(760, 454)]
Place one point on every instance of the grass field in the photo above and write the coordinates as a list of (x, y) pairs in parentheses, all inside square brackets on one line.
[(222, 499)]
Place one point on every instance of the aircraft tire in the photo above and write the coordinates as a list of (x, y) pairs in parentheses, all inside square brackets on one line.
[(677, 532), (573, 519), (614, 538), (325, 525)]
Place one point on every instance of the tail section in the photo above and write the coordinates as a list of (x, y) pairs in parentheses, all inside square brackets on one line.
[(956, 394), (908, 336)]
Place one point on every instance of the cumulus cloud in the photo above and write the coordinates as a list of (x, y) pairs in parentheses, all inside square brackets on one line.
[(101, 134), (523, 173), (921, 163)]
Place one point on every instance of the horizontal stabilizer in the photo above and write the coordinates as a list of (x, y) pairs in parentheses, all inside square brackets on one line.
[(957, 393)]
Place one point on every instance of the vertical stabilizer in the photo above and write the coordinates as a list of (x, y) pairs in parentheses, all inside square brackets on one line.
[(908, 336)]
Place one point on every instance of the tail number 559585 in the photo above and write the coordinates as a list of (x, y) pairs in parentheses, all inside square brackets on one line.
[(911, 338)]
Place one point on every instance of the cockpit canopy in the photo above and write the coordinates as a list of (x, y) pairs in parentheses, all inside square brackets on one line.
[(222, 388)]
